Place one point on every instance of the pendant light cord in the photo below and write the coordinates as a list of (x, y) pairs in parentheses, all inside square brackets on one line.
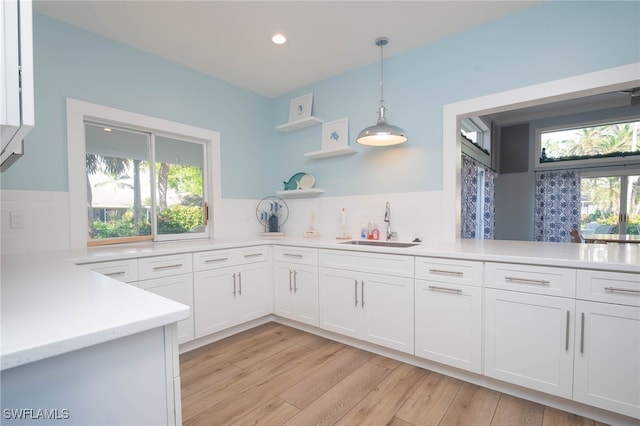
[(381, 75)]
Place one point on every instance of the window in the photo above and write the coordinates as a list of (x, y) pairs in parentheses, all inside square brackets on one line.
[(133, 177), (475, 131), (610, 203), (604, 141)]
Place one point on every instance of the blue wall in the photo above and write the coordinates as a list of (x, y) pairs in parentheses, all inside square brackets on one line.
[(549, 41), (70, 62)]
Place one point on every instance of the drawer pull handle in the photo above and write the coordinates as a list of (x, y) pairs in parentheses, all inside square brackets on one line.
[(527, 280), (355, 290), (162, 268), (622, 290), (445, 272), (295, 281), (240, 283), (299, 256), (290, 287), (362, 294), (449, 290), (220, 259), (115, 274), (246, 256)]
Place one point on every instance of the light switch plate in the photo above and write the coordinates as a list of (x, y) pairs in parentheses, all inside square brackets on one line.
[(16, 220)]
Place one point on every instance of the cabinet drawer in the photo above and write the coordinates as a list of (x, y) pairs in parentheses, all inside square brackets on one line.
[(531, 279), (387, 264), (300, 255), (203, 261), (449, 271), (611, 287), (164, 266), (121, 270)]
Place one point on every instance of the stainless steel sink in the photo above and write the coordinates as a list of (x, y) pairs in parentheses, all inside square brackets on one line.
[(379, 243)]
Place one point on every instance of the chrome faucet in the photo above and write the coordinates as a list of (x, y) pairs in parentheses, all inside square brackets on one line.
[(387, 218)]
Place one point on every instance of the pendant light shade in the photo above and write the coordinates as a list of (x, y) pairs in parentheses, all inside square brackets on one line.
[(382, 133)]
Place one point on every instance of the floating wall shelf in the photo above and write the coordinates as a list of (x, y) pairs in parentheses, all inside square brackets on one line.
[(330, 153), (301, 192), (299, 124)]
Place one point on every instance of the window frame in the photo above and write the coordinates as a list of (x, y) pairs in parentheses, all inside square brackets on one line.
[(79, 111), (583, 163)]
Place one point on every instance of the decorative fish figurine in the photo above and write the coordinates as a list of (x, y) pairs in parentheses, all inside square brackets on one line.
[(292, 183)]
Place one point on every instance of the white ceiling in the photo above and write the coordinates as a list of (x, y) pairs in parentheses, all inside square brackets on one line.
[(230, 40)]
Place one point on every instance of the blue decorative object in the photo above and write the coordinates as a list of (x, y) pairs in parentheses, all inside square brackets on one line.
[(272, 213), (292, 183)]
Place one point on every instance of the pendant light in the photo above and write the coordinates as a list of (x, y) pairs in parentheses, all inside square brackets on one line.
[(383, 133)]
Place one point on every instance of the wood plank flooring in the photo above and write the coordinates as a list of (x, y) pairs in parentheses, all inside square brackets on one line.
[(277, 375)]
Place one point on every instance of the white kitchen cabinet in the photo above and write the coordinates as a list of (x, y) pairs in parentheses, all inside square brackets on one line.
[(607, 335), (448, 312), (232, 295), (529, 340), (295, 284), (121, 270), (16, 79), (180, 289), (371, 307)]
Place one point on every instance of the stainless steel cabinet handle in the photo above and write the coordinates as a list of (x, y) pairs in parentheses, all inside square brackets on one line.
[(295, 281), (220, 259), (115, 274), (234, 284), (355, 290), (582, 333), (622, 290), (445, 272), (566, 337), (292, 255), (290, 287), (161, 268), (240, 283), (246, 256), (362, 294), (527, 280), (450, 290)]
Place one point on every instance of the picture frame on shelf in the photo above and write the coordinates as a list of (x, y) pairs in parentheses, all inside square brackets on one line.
[(335, 134), (300, 107)]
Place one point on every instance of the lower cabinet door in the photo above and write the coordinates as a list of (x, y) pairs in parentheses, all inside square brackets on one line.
[(253, 292), (180, 289), (296, 292), (449, 324), (529, 340), (339, 302), (387, 309), (215, 293), (607, 361)]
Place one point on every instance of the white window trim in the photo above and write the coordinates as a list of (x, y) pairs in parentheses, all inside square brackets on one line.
[(79, 111), (629, 159)]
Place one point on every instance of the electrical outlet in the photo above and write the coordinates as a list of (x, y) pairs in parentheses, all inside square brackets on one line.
[(16, 220)]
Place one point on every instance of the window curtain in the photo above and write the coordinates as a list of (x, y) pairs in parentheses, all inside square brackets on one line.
[(557, 205), (472, 194)]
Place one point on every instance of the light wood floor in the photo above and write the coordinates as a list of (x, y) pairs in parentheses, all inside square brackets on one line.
[(277, 375)]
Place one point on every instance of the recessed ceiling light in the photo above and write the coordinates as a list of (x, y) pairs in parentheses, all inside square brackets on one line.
[(107, 129), (278, 38)]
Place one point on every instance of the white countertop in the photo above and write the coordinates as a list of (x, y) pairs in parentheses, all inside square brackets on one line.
[(610, 257), (51, 306)]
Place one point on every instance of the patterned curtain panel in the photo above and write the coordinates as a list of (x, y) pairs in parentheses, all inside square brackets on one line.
[(469, 200), (557, 205), (489, 204)]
